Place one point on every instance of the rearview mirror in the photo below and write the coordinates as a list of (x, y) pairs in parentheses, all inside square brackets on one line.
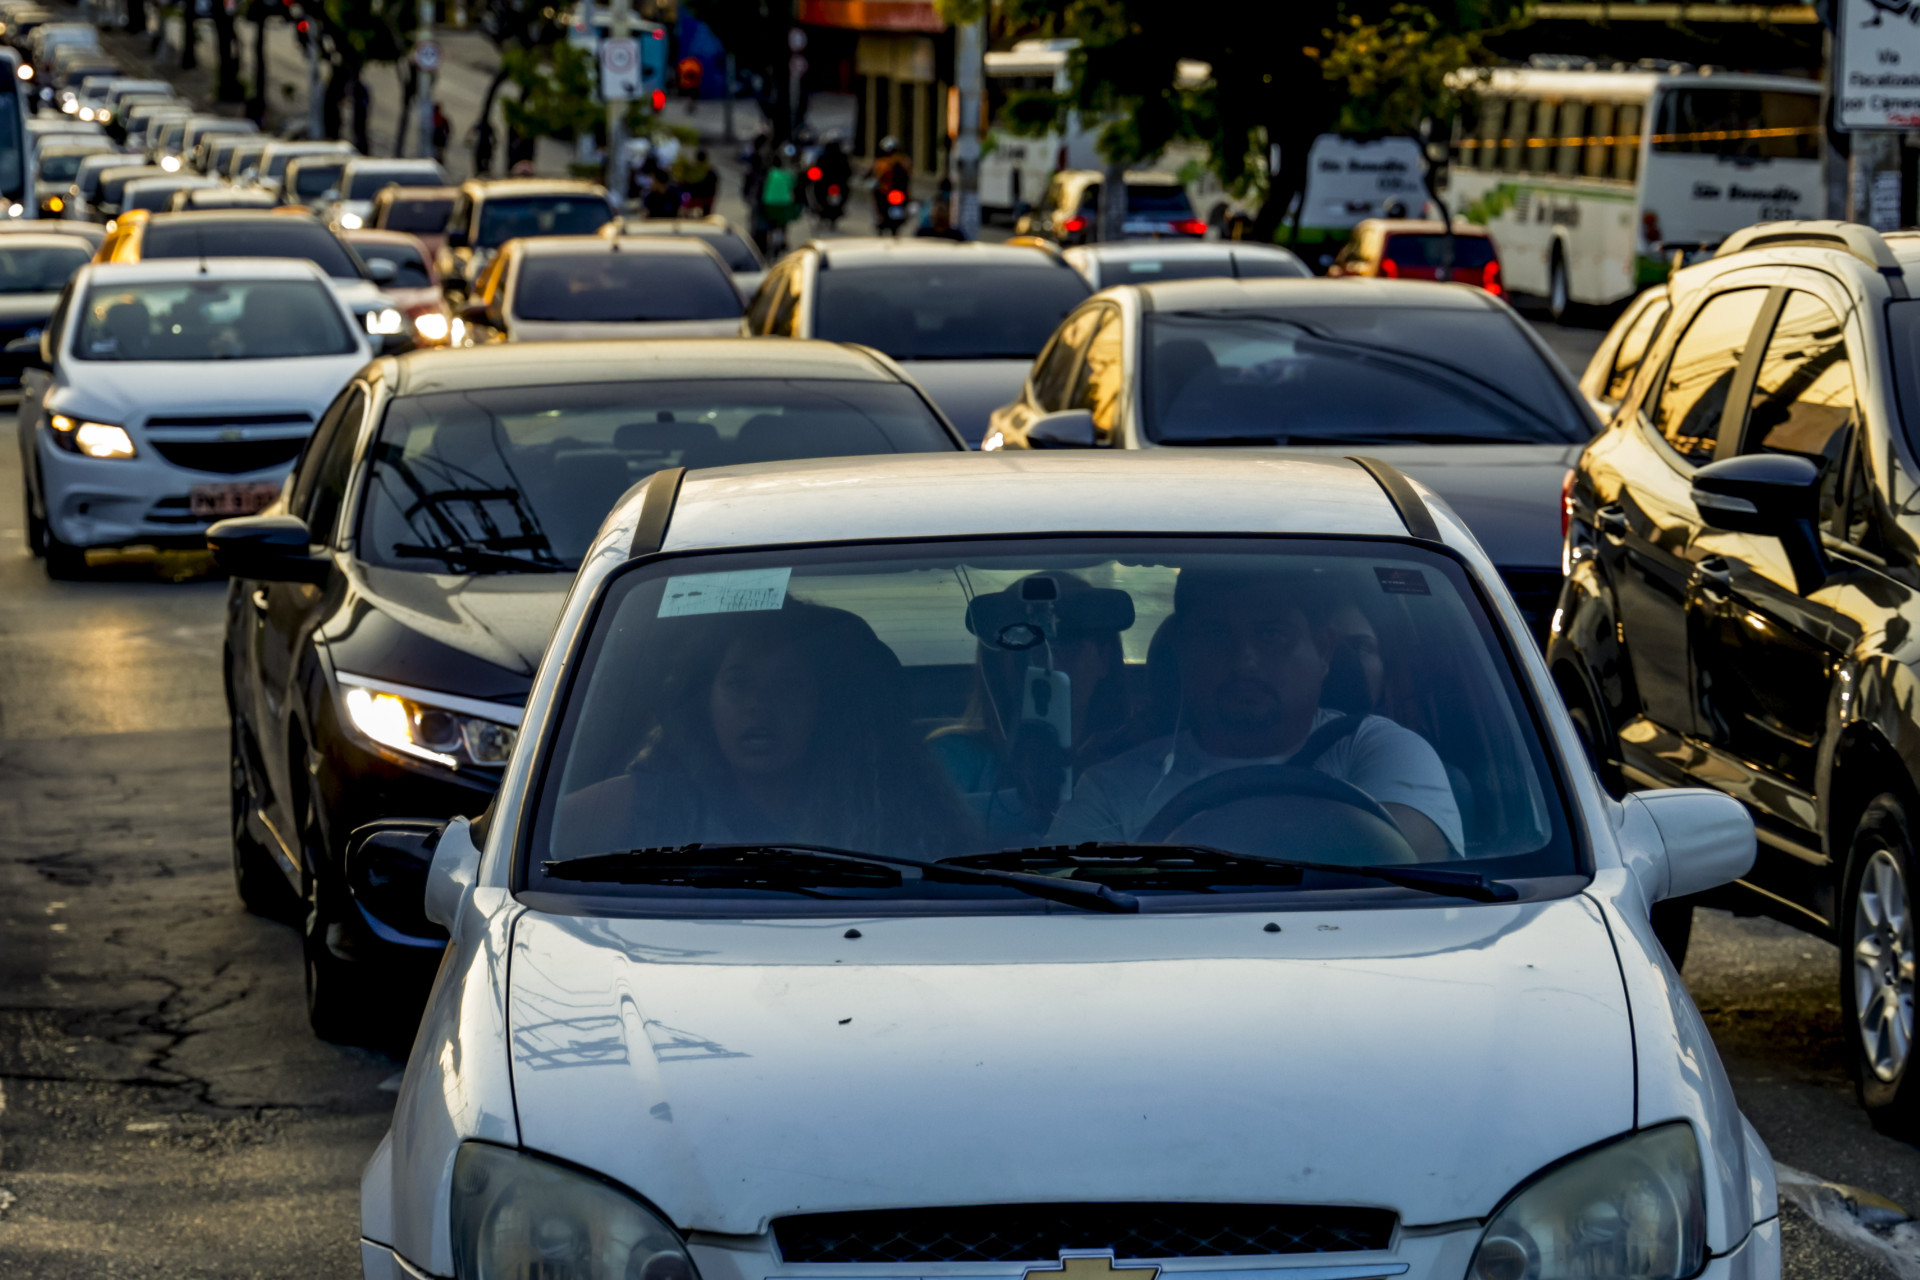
[(266, 549), (1067, 429), (387, 866), (1685, 841), (1773, 495)]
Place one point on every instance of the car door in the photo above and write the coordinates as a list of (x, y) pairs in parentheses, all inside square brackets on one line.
[(35, 382), (1053, 380), (1099, 382), (286, 612), (1764, 646), (1646, 530)]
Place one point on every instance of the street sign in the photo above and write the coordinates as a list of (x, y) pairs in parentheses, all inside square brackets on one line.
[(619, 68), (426, 56), (1876, 68)]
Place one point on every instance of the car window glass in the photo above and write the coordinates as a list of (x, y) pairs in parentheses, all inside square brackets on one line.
[(1051, 376), (332, 466), (306, 471), (257, 237), (1633, 350), (1861, 515), (1803, 400), (424, 216), (786, 306), (947, 310), (624, 287), (1097, 389), (1693, 393), (212, 320), (409, 268)]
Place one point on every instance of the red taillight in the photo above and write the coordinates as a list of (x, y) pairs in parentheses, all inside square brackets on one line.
[(659, 99), (1650, 226), (1566, 505), (1074, 226), (1490, 278), (813, 174), (833, 192), (896, 196), (1191, 227), (1389, 268)]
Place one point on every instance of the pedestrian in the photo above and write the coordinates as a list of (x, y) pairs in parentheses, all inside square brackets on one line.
[(483, 149), (779, 200), (442, 133), (937, 222)]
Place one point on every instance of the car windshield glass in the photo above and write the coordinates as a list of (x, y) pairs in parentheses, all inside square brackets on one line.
[(267, 237), (737, 252), (1429, 251), (39, 268), (420, 217), (614, 287), (1321, 701), (60, 167), (519, 478), (114, 181), (955, 309), (243, 157), (503, 219), (314, 178), (365, 184), (410, 269), (1352, 375), (277, 165), (212, 320), (1168, 200), (1185, 267), (154, 195)]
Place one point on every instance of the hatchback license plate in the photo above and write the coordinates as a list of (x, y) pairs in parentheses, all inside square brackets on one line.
[(215, 501)]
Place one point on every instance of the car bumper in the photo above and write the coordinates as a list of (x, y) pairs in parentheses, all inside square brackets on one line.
[(142, 499)]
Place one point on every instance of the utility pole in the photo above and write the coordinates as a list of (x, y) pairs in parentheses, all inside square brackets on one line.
[(617, 176), (969, 57), (426, 58), (315, 122)]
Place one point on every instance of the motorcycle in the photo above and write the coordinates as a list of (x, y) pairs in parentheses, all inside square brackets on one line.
[(893, 211), (826, 198)]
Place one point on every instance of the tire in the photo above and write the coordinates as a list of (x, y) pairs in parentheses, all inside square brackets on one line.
[(36, 527), (64, 562), (1559, 292), (1877, 967), (343, 1004), (257, 877)]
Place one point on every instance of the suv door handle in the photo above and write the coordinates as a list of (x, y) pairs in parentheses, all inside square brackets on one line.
[(1612, 523), (1716, 575)]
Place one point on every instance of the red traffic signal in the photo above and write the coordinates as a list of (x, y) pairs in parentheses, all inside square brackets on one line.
[(896, 196), (659, 99), (813, 174)]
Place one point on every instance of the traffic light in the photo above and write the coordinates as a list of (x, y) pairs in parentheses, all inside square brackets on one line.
[(653, 63)]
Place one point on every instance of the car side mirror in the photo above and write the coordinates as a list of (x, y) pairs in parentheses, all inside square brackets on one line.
[(1773, 495), (387, 867), (456, 239), (29, 352), (1067, 429), (266, 549), (382, 270), (455, 865), (1685, 841), (483, 314)]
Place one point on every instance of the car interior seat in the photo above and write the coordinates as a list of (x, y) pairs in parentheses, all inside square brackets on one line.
[(777, 437)]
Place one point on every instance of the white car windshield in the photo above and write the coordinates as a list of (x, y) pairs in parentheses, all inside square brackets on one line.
[(212, 320), (1171, 719)]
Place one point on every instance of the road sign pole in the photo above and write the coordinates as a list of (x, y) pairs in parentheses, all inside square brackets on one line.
[(426, 57), (968, 68)]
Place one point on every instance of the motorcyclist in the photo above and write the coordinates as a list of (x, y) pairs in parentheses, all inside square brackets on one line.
[(892, 172)]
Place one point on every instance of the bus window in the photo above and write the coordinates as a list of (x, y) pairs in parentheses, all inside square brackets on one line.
[(1493, 112), (1540, 141), (1566, 156), (1513, 139), (1626, 142), (1593, 161), (1751, 124)]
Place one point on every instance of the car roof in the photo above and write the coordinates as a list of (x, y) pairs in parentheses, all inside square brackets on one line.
[(491, 188), (885, 251), (398, 192), (44, 240), (164, 269), (959, 495), (1420, 226), (380, 235), (511, 364), (657, 246), (1227, 295), (1162, 250)]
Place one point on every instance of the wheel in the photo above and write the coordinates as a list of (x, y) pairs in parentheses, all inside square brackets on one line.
[(256, 875), (1877, 966), (1559, 294), (342, 1002), (36, 527), (64, 562)]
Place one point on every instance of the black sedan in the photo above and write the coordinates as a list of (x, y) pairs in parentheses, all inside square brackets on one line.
[(386, 617)]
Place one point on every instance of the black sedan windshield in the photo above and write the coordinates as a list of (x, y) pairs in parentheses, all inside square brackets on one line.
[(939, 311), (265, 237), (1352, 375), (39, 268), (518, 479), (502, 219), (624, 286), (1167, 720)]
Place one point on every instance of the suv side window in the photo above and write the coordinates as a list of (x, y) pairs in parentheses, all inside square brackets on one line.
[(1633, 350), (321, 479), (764, 299), (1097, 389), (1053, 373), (1803, 400), (1692, 394)]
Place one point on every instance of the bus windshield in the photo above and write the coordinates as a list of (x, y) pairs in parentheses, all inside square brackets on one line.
[(1750, 124)]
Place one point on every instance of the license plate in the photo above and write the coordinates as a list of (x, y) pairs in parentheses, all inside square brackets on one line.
[(217, 501)]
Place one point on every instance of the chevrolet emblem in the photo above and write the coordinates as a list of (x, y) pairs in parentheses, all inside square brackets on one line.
[(1091, 1266)]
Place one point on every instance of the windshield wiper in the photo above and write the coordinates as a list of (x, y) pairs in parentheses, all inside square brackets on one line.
[(1427, 879), (792, 862), (478, 559)]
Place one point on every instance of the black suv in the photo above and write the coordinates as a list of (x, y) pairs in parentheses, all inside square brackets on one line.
[(1742, 586)]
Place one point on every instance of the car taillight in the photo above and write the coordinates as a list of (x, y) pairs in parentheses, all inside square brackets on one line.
[(659, 97), (1191, 227), (1490, 278), (814, 174), (1566, 505), (834, 192), (896, 196), (1073, 226), (1650, 226), (1389, 269)]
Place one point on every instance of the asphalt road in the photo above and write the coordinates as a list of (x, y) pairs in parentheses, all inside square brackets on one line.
[(164, 1110)]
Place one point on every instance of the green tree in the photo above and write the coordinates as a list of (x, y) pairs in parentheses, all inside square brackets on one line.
[(1301, 69)]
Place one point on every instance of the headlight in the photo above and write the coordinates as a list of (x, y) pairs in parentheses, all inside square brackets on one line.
[(69, 106), (170, 163), (1633, 1210), (92, 439), (351, 221), (385, 321), (432, 325), (516, 1217), (427, 732)]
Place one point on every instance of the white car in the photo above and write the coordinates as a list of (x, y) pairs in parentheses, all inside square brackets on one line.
[(166, 395), (900, 873), (349, 204), (1112, 262)]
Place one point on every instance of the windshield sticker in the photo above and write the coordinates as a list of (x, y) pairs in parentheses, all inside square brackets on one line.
[(740, 591), (1395, 582)]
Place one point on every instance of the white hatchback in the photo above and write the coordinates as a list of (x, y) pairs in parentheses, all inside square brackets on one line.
[(1056, 867), (166, 395)]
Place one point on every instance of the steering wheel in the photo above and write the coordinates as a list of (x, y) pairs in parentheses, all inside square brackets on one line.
[(1366, 821)]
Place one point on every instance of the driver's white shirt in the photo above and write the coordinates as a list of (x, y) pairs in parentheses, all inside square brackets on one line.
[(1391, 763)]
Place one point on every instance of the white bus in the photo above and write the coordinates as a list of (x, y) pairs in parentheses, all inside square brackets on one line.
[(1589, 181), (1015, 170)]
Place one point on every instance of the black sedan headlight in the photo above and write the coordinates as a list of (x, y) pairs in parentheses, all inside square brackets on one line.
[(413, 725), (517, 1217), (1634, 1209)]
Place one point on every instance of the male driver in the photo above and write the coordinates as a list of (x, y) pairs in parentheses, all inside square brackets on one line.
[(1251, 662)]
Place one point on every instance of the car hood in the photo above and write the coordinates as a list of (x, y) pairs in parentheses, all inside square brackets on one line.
[(1425, 1059), (574, 331), (968, 391), (1508, 494), (119, 390), (479, 637)]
